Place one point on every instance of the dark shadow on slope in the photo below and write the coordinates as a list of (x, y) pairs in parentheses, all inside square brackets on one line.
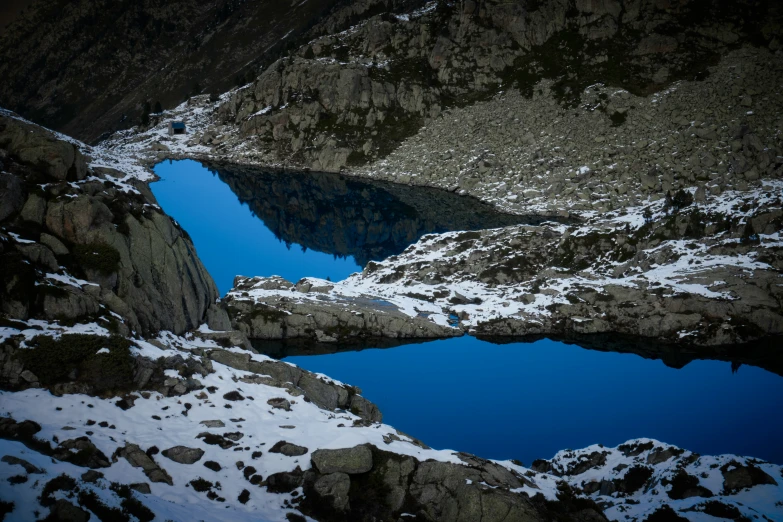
[(765, 353)]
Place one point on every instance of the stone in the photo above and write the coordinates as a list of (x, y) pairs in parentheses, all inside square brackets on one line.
[(213, 423), (64, 511), (29, 468), (233, 396), (39, 255), (81, 452), (139, 459), (279, 403), (141, 487), (11, 195), (737, 476), (334, 487), (92, 476), (54, 244), (285, 481), (288, 449), (34, 209), (348, 460), (183, 454), (659, 455), (217, 318)]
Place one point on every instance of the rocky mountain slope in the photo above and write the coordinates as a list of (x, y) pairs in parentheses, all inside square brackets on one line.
[(90, 67), (105, 416)]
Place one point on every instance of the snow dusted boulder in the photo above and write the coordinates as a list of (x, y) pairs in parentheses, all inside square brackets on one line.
[(183, 454), (737, 476), (264, 308), (349, 460), (646, 480), (81, 452), (138, 459), (288, 449)]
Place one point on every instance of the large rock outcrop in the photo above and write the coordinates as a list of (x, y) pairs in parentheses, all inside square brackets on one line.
[(80, 248), (366, 483), (306, 312)]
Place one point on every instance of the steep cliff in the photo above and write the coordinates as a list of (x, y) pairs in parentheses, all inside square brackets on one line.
[(80, 244)]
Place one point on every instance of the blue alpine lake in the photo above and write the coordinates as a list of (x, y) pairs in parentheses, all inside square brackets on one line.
[(229, 238), (529, 400), (518, 400)]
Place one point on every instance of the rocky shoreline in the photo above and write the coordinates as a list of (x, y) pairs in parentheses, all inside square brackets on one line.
[(91, 365), (664, 175)]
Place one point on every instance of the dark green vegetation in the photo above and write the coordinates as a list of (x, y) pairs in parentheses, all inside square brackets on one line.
[(59, 360), (100, 257)]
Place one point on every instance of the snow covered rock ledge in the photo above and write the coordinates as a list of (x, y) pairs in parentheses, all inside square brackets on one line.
[(232, 435)]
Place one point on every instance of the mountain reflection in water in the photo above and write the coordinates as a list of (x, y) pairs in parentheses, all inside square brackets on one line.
[(367, 220)]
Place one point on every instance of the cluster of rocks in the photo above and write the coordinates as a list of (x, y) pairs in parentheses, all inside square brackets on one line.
[(642, 477), (533, 155), (368, 483), (297, 382), (699, 275)]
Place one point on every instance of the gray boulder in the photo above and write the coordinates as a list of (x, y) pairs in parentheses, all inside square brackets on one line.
[(279, 403), (288, 449), (81, 452), (348, 460), (334, 487), (138, 459), (54, 244), (183, 454), (40, 148), (64, 511), (141, 487), (34, 209), (28, 467)]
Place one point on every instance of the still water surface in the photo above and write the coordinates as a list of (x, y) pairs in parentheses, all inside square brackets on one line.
[(522, 400), (529, 400)]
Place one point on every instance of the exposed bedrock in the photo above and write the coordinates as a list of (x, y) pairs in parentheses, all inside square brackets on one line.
[(97, 247), (366, 483), (313, 313)]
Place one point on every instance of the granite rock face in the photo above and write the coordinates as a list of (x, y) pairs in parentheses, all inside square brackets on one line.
[(322, 392), (365, 482), (133, 261), (642, 476)]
